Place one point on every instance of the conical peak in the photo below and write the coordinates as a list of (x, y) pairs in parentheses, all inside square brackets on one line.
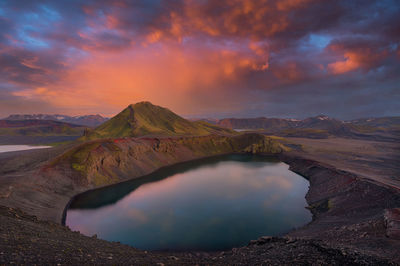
[(144, 118), (144, 103)]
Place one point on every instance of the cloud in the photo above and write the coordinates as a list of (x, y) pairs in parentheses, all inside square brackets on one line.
[(218, 57), (358, 54)]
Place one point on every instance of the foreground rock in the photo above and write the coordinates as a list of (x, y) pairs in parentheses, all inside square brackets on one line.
[(25, 240), (392, 223), (347, 209)]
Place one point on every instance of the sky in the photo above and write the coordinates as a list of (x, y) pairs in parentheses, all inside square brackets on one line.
[(199, 58)]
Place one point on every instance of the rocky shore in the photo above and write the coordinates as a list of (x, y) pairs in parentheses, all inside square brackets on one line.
[(348, 210), (26, 240)]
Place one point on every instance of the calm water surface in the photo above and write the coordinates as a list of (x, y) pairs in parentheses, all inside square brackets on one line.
[(212, 204), (7, 148)]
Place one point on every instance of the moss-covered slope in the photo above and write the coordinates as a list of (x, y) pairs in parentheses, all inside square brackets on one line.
[(144, 118)]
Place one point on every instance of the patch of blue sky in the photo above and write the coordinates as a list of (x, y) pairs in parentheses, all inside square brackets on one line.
[(42, 18), (319, 40), (2, 8), (388, 5), (32, 23), (30, 41), (315, 41), (49, 14), (394, 46)]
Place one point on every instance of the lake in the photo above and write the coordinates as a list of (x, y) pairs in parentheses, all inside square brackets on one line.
[(8, 148), (210, 204)]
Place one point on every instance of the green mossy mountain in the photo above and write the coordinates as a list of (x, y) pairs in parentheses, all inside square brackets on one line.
[(146, 119)]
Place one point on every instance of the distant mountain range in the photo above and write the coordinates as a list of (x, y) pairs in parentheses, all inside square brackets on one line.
[(318, 127), (39, 128), (146, 119), (84, 120), (379, 122)]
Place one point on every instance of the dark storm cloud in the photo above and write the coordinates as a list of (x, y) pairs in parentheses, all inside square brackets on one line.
[(20, 66)]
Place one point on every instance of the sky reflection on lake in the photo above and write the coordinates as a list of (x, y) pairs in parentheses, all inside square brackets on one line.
[(210, 206)]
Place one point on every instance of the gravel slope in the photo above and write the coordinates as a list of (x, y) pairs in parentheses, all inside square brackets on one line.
[(25, 240)]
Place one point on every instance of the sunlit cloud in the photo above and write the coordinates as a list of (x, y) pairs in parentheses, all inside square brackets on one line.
[(196, 57)]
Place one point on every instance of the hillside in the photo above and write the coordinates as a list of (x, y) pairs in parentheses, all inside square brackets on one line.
[(381, 125), (145, 119), (382, 122), (38, 128), (84, 120), (329, 125)]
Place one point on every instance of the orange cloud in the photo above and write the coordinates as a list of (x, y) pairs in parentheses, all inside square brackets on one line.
[(165, 74), (241, 18), (351, 62), (154, 36), (31, 62), (355, 58), (255, 19)]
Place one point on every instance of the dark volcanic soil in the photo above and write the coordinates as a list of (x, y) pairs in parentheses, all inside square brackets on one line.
[(25, 240)]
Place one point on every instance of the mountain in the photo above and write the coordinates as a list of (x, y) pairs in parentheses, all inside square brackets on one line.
[(85, 120), (39, 128), (390, 122), (385, 128), (331, 125), (314, 127), (257, 123), (381, 127), (144, 119)]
